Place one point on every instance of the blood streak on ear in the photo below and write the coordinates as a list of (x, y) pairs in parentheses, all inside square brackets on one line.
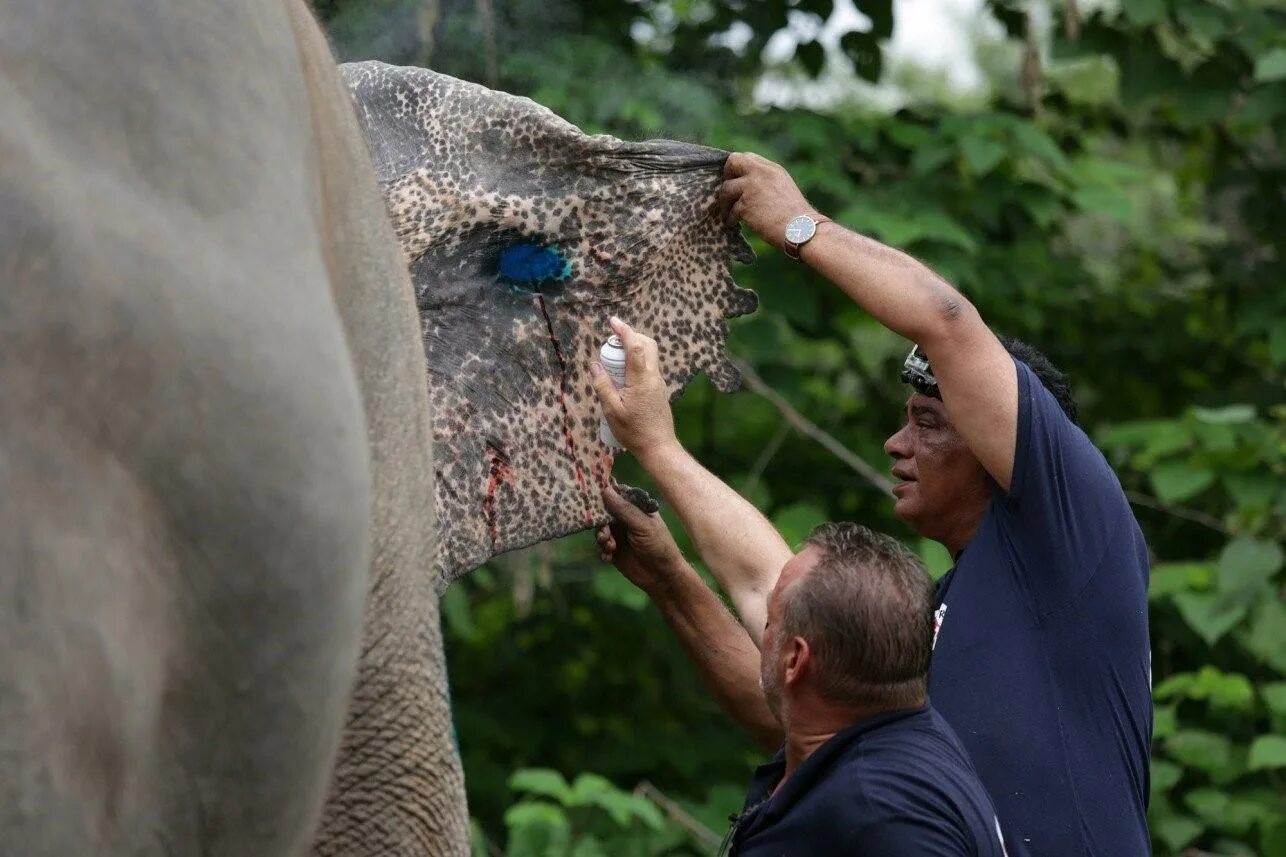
[(499, 472), (568, 435)]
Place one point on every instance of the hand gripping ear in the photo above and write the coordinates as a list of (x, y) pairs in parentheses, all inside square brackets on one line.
[(523, 235)]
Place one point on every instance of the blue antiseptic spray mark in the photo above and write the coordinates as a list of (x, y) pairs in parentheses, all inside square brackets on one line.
[(527, 265)]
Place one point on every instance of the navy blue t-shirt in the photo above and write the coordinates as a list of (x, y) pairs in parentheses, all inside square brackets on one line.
[(897, 785), (1041, 661)]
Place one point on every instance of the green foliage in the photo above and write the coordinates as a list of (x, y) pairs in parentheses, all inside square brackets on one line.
[(1128, 221), (588, 818)]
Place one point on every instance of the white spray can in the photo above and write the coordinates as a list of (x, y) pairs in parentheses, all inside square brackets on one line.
[(612, 356)]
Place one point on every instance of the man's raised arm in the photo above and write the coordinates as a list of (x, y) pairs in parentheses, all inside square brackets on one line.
[(975, 374), (728, 662), (739, 545)]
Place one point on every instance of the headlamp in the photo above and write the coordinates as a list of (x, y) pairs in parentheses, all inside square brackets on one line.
[(917, 372)]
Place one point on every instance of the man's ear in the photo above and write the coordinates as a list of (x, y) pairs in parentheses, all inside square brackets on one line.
[(799, 659)]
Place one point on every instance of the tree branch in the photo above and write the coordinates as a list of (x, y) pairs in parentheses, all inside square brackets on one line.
[(765, 456), (678, 815), (1197, 517), (487, 18), (808, 428)]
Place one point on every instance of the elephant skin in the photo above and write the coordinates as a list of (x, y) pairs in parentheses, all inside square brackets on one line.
[(210, 463), (473, 177)]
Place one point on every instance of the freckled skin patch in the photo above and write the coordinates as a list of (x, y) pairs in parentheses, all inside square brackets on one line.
[(489, 194)]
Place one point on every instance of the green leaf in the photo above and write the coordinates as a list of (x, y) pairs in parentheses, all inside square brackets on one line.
[(797, 521), (1090, 81), (537, 829), (1206, 751), (456, 614), (1246, 565), (1203, 20), (1107, 201), (930, 156), (1208, 804), (589, 846), (1268, 751), (1225, 690), (1209, 614), (935, 557), (1274, 695), (1267, 631), (1157, 437), (1277, 343), (1176, 831), (1222, 811), (903, 229), (1233, 848), (1144, 12), (1164, 722), (1272, 837), (981, 154), (1229, 415), (1176, 685), (1164, 776), (1271, 66), (1252, 491), (1044, 206), (1040, 144), (938, 226), (540, 781), (611, 586), (1176, 481), (1217, 437), (1171, 577)]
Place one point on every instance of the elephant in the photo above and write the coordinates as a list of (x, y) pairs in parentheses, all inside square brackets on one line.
[(223, 332)]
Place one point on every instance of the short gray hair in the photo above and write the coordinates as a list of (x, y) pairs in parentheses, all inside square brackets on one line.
[(866, 610)]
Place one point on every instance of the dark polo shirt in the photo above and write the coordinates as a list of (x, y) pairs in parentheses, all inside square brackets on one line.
[(897, 785), (1041, 661)]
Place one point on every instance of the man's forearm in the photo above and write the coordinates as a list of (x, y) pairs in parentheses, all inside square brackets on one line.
[(722, 651), (739, 545), (903, 294)]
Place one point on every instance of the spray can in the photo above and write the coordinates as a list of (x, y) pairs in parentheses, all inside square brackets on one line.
[(612, 356)]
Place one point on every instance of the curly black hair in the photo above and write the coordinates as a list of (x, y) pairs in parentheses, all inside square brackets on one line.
[(1053, 378)]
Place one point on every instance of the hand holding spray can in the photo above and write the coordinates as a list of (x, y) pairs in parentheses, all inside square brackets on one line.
[(612, 356)]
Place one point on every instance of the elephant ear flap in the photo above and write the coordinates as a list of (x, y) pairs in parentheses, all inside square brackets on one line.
[(523, 235)]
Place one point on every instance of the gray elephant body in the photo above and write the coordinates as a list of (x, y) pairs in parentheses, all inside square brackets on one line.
[(217, 537), (211, 427)]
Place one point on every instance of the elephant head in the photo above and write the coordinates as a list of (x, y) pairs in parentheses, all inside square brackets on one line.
[(523, 235)]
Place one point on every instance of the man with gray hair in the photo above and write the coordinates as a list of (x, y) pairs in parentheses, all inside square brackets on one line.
[(867, 766)]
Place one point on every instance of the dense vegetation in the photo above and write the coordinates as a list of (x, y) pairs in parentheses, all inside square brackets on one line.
[(1115, 193)]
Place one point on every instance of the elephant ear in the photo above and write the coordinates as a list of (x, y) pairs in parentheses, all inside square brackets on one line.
[(523, 235)]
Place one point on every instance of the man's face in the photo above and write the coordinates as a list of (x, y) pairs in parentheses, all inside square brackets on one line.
[(939, 479), (773, 660)]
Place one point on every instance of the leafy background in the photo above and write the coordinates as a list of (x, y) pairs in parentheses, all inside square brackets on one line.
[(1113, 192)]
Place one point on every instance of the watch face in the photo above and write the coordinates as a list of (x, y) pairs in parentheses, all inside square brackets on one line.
[(800, 229)]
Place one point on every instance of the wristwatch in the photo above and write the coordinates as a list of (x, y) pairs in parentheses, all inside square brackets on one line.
[(799, 232)]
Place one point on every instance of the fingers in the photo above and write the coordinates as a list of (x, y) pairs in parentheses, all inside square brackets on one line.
[(729, 194), (606, 543), (623, 510), (607, 393), (735, 213), (736, 165), (641, 360)]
